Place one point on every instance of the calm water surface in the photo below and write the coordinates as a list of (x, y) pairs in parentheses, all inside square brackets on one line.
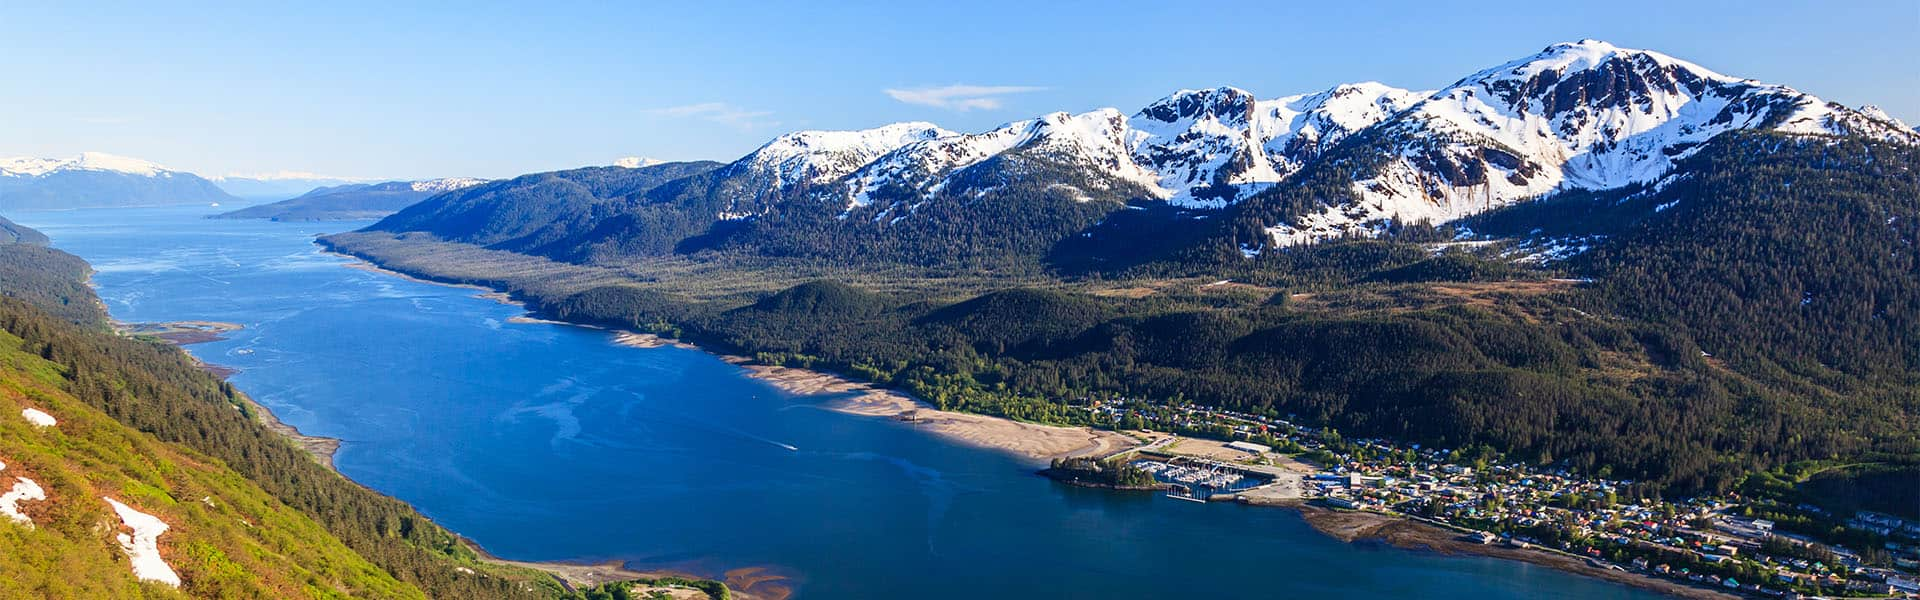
[(547, 442)]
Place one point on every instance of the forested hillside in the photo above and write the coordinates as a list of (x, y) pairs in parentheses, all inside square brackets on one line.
[(250, 513), (542, 212)]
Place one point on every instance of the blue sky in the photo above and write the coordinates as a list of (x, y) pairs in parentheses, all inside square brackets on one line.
[(373, 90)]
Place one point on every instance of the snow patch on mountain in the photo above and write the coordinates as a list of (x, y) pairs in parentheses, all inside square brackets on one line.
[(142, 545), (1545, 251), (1207, 146), (23, 490), (1216, 147), (1302, 126), (38, 417), (447, 184), (635, 162)]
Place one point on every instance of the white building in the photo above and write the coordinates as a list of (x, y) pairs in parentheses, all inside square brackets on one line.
[(1249, 447)]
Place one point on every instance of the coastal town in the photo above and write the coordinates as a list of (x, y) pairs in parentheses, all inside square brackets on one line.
[(1736, 545)]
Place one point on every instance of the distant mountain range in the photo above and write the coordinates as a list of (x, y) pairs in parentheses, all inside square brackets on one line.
[(1218, 168), (96, 179), (277, 186), (352, 201)]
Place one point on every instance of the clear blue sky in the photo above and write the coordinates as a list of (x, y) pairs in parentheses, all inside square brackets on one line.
[(375, 90)]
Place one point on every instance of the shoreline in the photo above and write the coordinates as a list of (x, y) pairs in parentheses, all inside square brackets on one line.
[(1042, 442), (1409, 534)]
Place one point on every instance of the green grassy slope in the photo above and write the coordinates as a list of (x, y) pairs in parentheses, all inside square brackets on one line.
[(228, 537)]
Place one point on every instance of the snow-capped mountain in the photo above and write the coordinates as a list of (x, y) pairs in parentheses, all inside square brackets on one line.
[(1096, 143), (803, 159), (1195, 148), (87, 161), (96, 179), (1586, 115), (814, 157), (1581, 115)]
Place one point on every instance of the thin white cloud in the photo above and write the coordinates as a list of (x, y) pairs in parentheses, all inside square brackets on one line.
[(718, 112), (104, 120), (960, 97)]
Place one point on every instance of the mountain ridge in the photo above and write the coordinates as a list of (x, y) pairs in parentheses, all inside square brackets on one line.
[(98, 179), (1361, 159)]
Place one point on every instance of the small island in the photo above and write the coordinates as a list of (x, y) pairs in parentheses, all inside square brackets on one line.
[(181, 333), (1113, 473)]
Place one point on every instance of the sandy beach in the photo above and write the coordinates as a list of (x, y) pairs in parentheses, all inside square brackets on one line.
[(1025, 439), (633, 339), (526, 320)]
